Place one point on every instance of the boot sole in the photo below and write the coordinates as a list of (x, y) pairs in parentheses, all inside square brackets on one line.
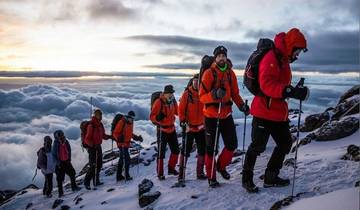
[(275, 185)]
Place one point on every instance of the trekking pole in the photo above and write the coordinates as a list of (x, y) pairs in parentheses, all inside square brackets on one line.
[(159, 150), (244, 134), (185, 151), (91, 99), (34, 175), (96, 160), (300, 84), (216, 140)]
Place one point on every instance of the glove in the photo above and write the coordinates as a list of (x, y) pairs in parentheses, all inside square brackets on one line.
[(218, 93), (160, 117), (244, 108), (141, 138), (183, 124), (299, 92)]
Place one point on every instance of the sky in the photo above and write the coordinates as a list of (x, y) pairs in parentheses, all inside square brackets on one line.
[(160, 35)]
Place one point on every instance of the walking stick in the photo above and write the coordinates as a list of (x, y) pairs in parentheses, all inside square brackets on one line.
[(244, 134), (216, 140)]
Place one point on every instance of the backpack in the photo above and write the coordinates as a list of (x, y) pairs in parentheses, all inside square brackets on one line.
[(115, 121), (206, 63), (154, 96), (251, 74), (83, 129)]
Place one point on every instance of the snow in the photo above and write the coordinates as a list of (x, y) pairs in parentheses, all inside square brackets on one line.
[(346, 199), (320, 171)]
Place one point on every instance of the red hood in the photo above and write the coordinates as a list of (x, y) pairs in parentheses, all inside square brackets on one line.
[(280, 43), (95, 121)]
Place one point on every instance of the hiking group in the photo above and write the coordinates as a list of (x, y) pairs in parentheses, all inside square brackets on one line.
[(205, 113)]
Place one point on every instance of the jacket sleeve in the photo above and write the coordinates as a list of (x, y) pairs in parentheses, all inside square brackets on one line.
[(205, 88), (118, 130), (269, 72), (89, 134), (55, 151), (182, 105), (235, 93), (155, 111)]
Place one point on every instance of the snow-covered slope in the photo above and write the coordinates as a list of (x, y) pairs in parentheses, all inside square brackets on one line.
[(320, 170)]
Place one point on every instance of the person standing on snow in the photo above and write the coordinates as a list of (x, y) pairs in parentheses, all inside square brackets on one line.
[(62, 155), (46, 163), (192, 120), (271, 111), (94, 135), (123, 134), (218, 90), (163, 114)]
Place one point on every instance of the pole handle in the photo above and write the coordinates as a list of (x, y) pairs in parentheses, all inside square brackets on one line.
[(301, 82)]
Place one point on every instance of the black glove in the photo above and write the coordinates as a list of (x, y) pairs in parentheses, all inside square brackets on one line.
[(183, 124), (298, 92), (218, 93), (244, 108), (160, 117), (140, 138)]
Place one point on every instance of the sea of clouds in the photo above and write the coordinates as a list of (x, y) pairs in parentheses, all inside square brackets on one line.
[(31, 108)]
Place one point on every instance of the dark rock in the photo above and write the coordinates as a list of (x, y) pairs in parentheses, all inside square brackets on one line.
[(29, 205), (314, 121), (308, 138), (82, 206), (238, 152), (353, 153), (148, 198), (65, 207), (355, 90), (56, 203), (78, 200), (103, 203), (148, 208), (145, 186), (290, 199), (111, 170), (293, 129), (348, 107), (333, 130), (357, 184), (110, 190), (194, 197)]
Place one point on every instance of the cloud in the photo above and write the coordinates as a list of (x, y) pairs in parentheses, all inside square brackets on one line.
[(109, 9)]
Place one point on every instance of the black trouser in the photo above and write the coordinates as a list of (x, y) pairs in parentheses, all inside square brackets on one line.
[(48, 184), (65, 167), (261, 131), (227, 131), (200, 143), (171, 139), (124, 159), (95, 162)]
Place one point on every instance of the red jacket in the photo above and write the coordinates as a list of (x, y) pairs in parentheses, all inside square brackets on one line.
[(232, 92), (124, 130), (169, 110), (273, 78), (191, 110), (95, 133)]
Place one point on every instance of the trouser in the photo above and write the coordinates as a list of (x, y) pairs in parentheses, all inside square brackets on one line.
[(228, 134), (65, 167), (48, 184), (171, 140), (261, 131), (95, 162), (124, 159)]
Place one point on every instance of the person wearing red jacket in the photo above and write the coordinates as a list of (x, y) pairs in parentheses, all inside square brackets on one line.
[(94, 135), (270, 110), (218, 90), (163, 114), (123, 133), (192, 121)]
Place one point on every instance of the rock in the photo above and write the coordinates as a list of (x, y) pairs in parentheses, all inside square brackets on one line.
[(103, 203), (65, 207), (238, 152), (145, 186), (291, 199), (314, 121), (148, 208), (110, 190), (236, 160), (355, 90), (111, 170), (357, 184), (148, 198), (56, 203), (308, 138), (353, 153), (333, 130), (29, 205), (348, 107), (78, 200), (290, 162)]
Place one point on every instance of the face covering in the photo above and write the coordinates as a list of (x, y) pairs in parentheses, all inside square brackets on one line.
[(223, 68), (170, 99)]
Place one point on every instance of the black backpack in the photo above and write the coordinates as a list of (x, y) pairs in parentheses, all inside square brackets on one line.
[(83, 129), (115, 121), (251, 73)]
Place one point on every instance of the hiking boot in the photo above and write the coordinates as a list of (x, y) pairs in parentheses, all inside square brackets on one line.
[(201, 176), (250, 187), (223, 173), (173, 171), (120, 178), (161, 177), (272, 179), (213, 183)]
